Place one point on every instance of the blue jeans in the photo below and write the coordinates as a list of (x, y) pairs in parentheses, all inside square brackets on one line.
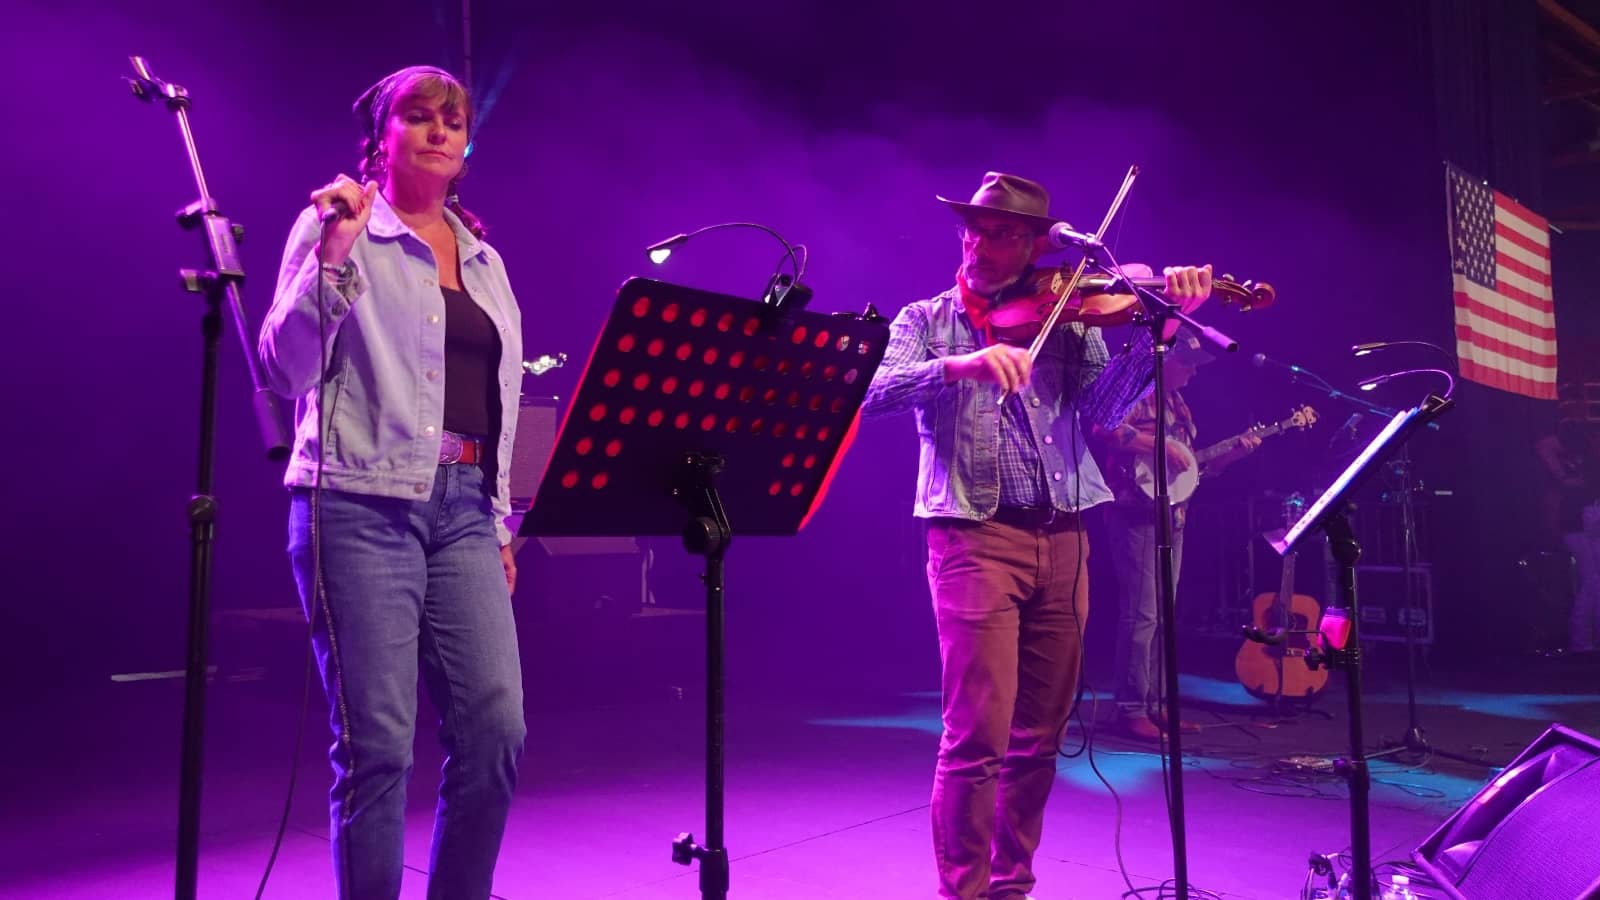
[(408, 582), (1132, 535)]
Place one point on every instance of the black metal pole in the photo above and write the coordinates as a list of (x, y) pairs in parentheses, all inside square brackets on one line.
[(1415, 739), (1408, 537), (707, 533), (202, 528), (219, 284), (1169, 632), (1158, 312), (714, 862), (1346, 551)]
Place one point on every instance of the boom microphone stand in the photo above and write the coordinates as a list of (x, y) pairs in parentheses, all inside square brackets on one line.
[(218, 283), (1157, 313), (1415, 739)]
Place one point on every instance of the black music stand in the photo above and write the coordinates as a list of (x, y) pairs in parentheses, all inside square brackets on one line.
[(1341, 639), (697, 410)]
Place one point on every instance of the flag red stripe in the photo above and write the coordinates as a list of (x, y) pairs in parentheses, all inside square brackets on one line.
[(1524, 309), (1522, 212), (1494, 345), (1539, 305), (1509, 234), (1523, 269), (1497, 379), (1503, 318)]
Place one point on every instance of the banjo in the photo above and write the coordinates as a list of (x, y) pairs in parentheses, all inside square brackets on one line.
[(1181, 485)]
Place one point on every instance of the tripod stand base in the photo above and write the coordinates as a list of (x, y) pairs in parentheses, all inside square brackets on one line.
[(1416, 742), (713, 865)]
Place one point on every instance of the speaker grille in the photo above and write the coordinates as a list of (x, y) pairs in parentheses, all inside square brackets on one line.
[(530, 451), (1547, 847), (1530, 832)]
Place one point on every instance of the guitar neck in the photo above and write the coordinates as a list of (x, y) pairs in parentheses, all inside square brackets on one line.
[(1286, 584), (1221, 447)]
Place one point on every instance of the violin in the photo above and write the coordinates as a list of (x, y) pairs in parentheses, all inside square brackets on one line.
[(1022, 310)]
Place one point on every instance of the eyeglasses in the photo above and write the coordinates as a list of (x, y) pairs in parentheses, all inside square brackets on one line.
[(1006, 234)]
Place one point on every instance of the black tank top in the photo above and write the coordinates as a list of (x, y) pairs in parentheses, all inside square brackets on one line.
[(471, 367)]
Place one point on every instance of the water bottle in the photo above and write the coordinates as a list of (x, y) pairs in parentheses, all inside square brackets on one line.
[(1399, 889)]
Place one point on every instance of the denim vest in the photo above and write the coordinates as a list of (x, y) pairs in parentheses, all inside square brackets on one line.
[(959, 423), (383, 394)]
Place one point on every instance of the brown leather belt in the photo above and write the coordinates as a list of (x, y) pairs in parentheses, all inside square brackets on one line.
[(459, 448), (1030, 517)]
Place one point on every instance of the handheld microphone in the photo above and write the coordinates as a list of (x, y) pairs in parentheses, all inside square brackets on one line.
[(1062, 236), (1261, 359), (337, 209)]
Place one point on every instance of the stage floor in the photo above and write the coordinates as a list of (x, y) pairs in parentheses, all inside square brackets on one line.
[(827, 797)]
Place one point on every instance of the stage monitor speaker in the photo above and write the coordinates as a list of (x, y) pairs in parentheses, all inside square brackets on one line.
[(1530, 833), (594, 573), (537, 423)]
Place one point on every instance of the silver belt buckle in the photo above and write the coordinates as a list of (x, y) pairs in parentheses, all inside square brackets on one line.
[(450, 449)]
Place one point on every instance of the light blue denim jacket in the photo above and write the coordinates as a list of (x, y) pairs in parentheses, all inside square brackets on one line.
[(384, 391), (959, 423)]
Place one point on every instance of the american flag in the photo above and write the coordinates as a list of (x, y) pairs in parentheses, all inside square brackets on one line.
[(1505, 310)]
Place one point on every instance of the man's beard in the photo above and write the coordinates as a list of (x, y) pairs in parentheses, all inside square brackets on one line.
[(991, 289)]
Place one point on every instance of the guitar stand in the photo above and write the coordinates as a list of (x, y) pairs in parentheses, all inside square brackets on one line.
[(1314, 659), (1301, 705)]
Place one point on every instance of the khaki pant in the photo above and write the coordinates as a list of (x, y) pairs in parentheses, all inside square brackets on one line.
[(1010, 604)]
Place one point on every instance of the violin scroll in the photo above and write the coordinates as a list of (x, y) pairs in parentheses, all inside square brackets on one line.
[(1248, 294)]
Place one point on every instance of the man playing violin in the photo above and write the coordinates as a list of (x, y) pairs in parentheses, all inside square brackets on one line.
[(1001, 486), (1130, 525)]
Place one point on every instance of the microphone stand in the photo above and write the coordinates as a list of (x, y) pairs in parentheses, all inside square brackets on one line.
[(1415, 740), (219, 283), (1321, 384), (1157, 313)]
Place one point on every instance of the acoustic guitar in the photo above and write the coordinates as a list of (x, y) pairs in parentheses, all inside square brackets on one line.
[(1181, 485), (1269, 671)]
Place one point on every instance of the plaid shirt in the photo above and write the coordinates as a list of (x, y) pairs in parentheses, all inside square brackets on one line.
[(963, 470), (1141, 420), (1022, 478)]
